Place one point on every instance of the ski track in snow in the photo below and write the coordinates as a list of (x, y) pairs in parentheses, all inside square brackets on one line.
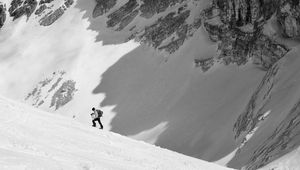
[(32, 139)]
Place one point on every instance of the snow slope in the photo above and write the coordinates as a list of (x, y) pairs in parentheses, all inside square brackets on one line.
[(30, 53), (145, 94), (32, 139)]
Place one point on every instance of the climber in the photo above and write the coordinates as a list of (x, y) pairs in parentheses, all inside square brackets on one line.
[(97, 113)]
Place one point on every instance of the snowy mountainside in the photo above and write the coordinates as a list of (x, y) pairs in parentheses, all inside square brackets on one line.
[(216, 80), (279, 94), (33, 139)]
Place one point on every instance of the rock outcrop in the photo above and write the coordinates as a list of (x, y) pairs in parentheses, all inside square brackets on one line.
[(54, 90), (52, 16), (237, 26), (42, 9), (103, 6), (2, 14), (166, 33), (280, 83), (249, 119), (289, 18), (64, 94), (283, 140), (19, 8), (124, 15), (151, 7)]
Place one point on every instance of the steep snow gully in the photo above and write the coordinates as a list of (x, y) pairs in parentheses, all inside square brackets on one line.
[(33, 140)]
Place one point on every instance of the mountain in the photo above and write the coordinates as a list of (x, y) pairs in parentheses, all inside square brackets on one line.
[(32, 139), (216, 80)]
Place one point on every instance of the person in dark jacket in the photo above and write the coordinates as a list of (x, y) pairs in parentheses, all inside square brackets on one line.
[(97, 113)]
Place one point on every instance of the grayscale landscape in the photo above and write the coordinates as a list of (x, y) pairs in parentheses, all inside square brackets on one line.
[(183, 84)]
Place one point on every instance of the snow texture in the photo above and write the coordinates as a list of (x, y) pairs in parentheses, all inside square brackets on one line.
[(32, 139)]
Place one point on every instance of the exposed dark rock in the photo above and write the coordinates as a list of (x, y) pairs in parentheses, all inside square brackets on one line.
[(36, 95), (205, 64), (164, 27), (237, 26), (63, 95), (173, 45), (68, 3), (127, 20), (55, 84), (167, 33), (51, 17), (40, 10), (284, 139), (45, 2), (266, 52), (40, 103), (19, 8), (289, 18), (250, 117), (119, 15), (103, 6), (152, 7), (2, 14), (172, 27), (36, 92)]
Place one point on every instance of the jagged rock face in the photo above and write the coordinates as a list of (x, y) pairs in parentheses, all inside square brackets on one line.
[(54, 88), (242, 12), (2, 14), (103, 6), (289, 18), (171, 26), (122, 15), (63, 95), (204, 64), (237, 26), (45, 2), (283, 140), (249, 119), (52, 16), (43, 9), (285, 136), (152, 7), (19, 8)]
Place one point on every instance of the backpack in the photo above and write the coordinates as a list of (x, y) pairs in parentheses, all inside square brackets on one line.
[(100, 113)]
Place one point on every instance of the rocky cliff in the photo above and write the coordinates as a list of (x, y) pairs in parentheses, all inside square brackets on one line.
[(278, 93), (2, 14), (54, 91), (237, 25), (47, 12)]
